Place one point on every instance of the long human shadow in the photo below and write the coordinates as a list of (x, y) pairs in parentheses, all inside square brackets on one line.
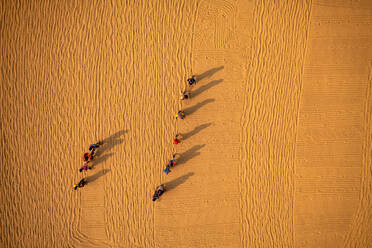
[(110, 142), (196, 130), (208, 73), (205, 87), (189, 154), (177, 182), (101, 159), (97, 175), (190, 110)]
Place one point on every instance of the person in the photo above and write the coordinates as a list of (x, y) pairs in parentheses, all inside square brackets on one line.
[(158, 192), (180, 114), (81, 184), (96, 145), (93, 147), (176, 139), (185, 95), (85, 167), (172, 162), (87, 157), (167, 170), (191, 80)]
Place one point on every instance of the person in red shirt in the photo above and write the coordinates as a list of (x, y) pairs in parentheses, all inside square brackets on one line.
[(176, 139), (87, 157)]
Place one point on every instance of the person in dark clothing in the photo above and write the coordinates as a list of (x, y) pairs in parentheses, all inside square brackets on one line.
[(185, 95), (158, 192), (93, 147), (191, 81), (172, 162), (81, 184)]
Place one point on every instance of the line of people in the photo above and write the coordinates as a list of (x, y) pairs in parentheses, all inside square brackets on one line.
[(87, 158), (185, 95)]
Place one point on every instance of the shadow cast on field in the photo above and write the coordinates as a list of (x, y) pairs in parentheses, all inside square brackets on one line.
[(189, 154), (110, 142), (196, 130), (101, 159), (208, 73), (205, 87), (178, 181), (190, 110), (97, 175)]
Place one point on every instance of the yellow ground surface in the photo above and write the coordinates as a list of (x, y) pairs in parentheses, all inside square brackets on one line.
[(277, 134)]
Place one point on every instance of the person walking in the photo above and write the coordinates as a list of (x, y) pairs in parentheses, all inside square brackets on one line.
[(85, 167), (191, 81), (185, 95), (172, 162), (167, 170), (87, 157), (93, 147), (180, 114), (158, 192), (81, 184), (176, 139)]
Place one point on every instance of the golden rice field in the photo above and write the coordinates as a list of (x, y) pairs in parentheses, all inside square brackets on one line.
[(276, 142)]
